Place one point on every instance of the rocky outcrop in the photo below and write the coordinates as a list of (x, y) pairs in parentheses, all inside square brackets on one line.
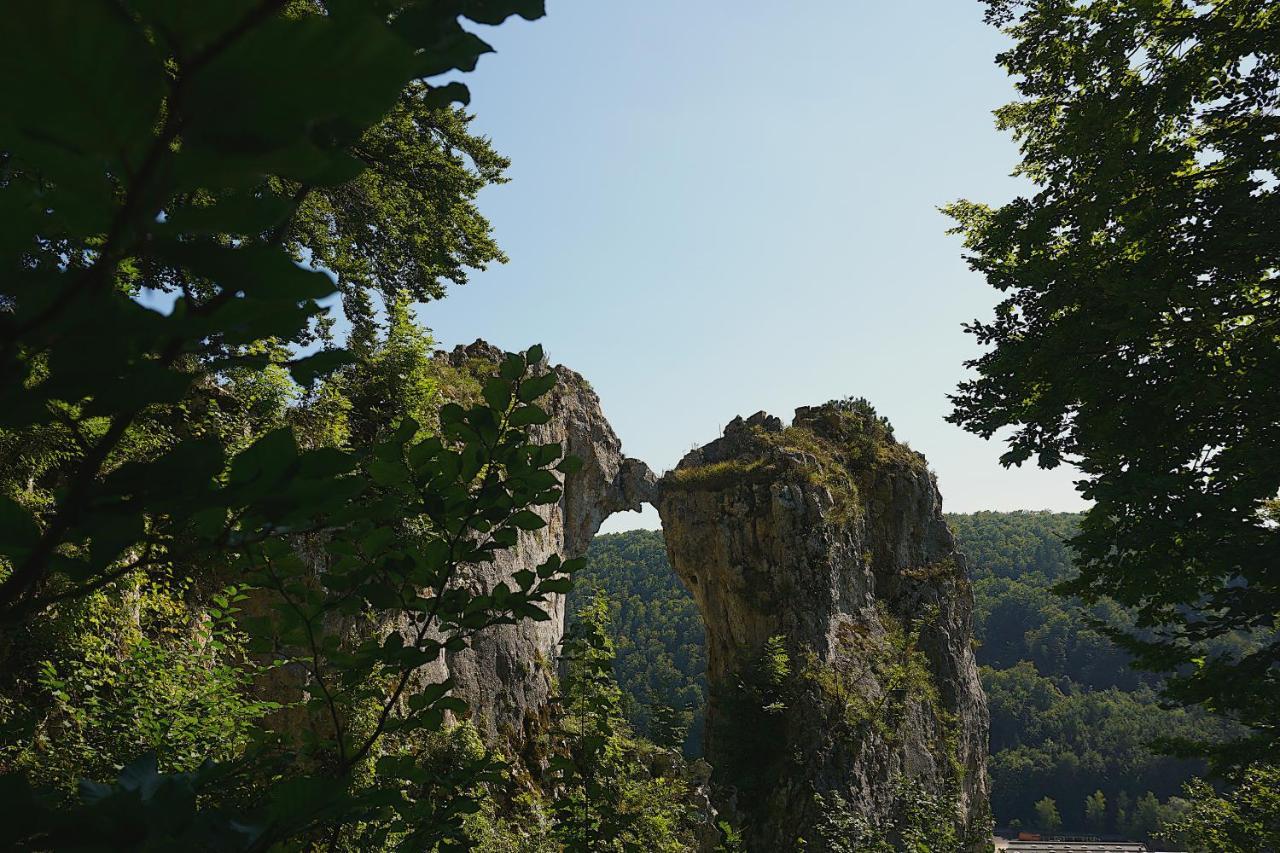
[(837, 614), (506, 675), (842, 681)]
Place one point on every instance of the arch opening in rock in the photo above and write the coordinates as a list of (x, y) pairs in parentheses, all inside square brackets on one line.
[(834, 603)]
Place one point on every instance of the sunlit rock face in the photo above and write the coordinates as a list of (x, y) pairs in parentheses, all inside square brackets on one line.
[(837, 616), (506, 675)]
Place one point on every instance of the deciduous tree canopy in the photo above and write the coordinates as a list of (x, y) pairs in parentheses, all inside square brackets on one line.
[(1138, 333)]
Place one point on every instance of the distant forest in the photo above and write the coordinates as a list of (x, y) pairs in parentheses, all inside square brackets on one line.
[(1070, 720)]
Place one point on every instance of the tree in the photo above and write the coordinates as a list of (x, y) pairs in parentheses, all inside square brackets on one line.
[(588, 813), (1137, 336), (1095, 811), (406, 225), (166, 172), (609, 800), (155, 146), (1123, 802), (1047, 817), (1147, 816), (670, 726), (1244, 820)]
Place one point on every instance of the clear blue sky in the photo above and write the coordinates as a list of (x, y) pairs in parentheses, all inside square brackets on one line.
[(722, 207)]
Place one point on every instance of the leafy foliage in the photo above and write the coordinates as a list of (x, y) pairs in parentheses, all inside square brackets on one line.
[(872, 682), (1137, 334), (154, 160), (1068, 742), (406, 226), (1047, 817), (128, 671), (204, 152), (1015, 561), (921, 822), (1071, 720), (401, 525), (1245, 820)]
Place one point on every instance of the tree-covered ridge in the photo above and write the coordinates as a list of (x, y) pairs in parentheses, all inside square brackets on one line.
[(1069, 716), (1015, 558), (1016, 544)]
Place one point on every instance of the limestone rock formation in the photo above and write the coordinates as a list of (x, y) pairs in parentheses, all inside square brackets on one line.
[(837, 615), (506, 675)]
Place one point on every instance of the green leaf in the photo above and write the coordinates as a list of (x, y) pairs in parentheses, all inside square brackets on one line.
[(387, 472), (530, 611), (527, 520), (243, 214), (534, 387), (306, 370), (80, 76), (441, 97), (497, 394), (305, 79), (112, 536), (451, 413), (561, 585), (512, 367), (528, 416), (266, 458), (569, 465), (551, 567), (496, 11), (445, 45), (258, 271)]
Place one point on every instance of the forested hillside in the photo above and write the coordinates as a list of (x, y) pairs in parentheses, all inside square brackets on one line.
[(1069, 717), (662, 659)]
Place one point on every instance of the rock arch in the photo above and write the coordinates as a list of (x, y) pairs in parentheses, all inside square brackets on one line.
[(505, 676), (821, 547)]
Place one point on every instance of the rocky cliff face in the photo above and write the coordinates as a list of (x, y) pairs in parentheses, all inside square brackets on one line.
[(506, 675), (842, 681), (837, 613)]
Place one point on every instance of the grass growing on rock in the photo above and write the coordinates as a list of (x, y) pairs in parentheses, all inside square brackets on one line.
[(835, 446), (715, 475), (824, 465)]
